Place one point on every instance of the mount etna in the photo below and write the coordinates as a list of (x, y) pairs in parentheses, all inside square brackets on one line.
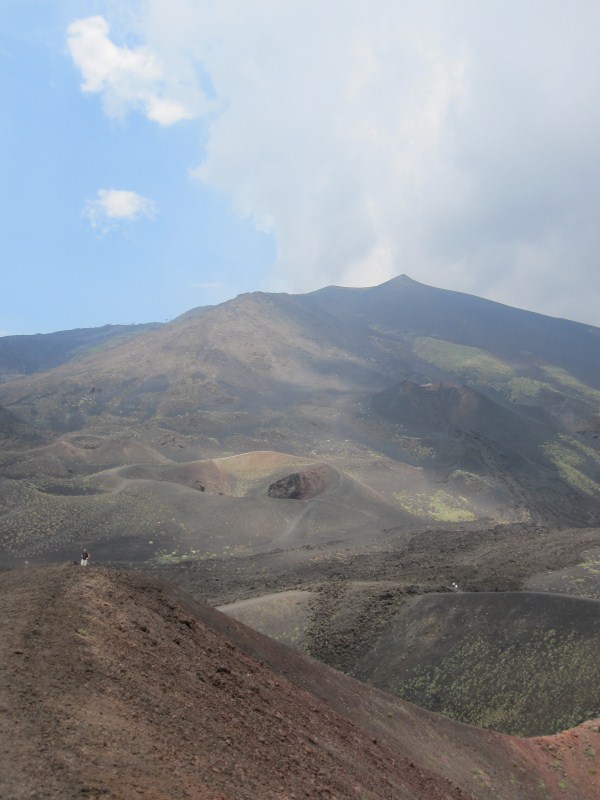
[(401, 481)]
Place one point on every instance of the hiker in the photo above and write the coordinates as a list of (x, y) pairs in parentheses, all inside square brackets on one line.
[(84, 557)]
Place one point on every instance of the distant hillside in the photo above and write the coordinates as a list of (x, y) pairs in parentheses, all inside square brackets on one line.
[(22, 355), (15, 433), (403, 307), (431, 408)]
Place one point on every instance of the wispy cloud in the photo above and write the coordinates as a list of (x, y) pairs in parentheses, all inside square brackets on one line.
[(129, 78), (457, 142), (114, 206)]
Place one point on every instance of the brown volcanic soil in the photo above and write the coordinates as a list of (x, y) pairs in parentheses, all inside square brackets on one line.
[(113, 690), (115, 686)]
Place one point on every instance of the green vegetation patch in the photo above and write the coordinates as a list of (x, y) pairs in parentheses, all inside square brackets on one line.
[(470, 480), (562, 377), (592, 566), (520, 664), (568, 456), (181, 553), (520, 389), (415, 448), (468, 363), (439, 505)]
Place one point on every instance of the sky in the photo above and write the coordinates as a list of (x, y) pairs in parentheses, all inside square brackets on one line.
[(158, 155)]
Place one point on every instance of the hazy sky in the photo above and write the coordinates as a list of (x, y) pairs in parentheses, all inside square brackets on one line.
[(164, 154)]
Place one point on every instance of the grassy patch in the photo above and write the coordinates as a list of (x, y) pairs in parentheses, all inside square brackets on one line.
[(468, 363), (499, 685), (562, 377), (441, 506), (567, 455), (416, 449), (520, 389), (593, 567), (470, 480)]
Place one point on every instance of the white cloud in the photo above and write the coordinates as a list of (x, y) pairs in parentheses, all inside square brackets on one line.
[(129, 78), (456, 142), (113, 206)]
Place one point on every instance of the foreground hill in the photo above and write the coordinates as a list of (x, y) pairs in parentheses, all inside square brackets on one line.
[(116, 686)]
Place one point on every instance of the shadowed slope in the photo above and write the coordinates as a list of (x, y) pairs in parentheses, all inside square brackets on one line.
[(21, 355), (490, 453), (405, 305), (16, 433), (516, 662)]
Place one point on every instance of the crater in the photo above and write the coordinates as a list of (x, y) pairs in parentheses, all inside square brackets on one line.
[(299, 485), (69, 491), (515, 662)]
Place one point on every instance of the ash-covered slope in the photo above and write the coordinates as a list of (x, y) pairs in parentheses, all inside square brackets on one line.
[(115, 686), (486, 451), (403, 305), (22, 355), (16, 433), (308, 374)]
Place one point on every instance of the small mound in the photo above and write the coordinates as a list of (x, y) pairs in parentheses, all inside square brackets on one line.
[(448, 407), (283, 616)]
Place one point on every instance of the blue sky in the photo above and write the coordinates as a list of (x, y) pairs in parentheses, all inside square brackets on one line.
[(59, 149), (158, 155)]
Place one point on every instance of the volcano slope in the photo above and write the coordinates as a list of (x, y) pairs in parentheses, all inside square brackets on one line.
[(349, 377), (117, 686), (515, 662)]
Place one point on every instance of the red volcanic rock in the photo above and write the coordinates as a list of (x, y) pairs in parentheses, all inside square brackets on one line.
[(116, 686)]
